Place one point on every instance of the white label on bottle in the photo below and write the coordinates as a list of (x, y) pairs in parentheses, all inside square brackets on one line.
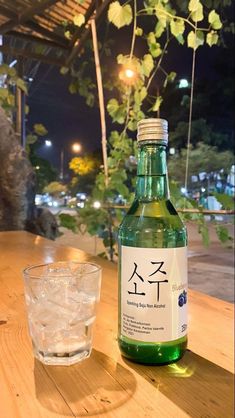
[(154, 293)]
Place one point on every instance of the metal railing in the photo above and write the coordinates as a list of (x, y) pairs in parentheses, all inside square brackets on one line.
[(185, 210)]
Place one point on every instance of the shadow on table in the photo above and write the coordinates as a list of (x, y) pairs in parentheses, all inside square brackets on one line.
[(197, 386), (87, 388)]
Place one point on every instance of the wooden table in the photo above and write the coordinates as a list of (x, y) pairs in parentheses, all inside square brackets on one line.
[(199, 385)]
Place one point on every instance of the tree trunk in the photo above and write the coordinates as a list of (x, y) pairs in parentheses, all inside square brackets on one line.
[(17, 180), (17, 188)]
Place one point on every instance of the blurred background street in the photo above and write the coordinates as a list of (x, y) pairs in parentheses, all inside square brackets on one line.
[(211, 270)]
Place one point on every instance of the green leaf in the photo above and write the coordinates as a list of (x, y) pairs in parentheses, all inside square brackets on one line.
[(90, 99), (204, 231), (161, 14), (64, 23), (112, 106), (140, 115), (154, 47), (121, 59), (159, 29), (73, 88), (193, 5), (67, 34), (180, 39), (21, 84), (119, 15), (155, 50), (151, 39), (195, 40), (223, 234), (4, 68), (147, 64), (79, 20), (143, 93), (157, 104), (64, 70), (212, 38), (12, 72), (226, 201), (11, 100), (132, 125), (39, 129), (31, 139), (140, 95), (177, 27), (196, 9), (139, 31), (128, 62), (68, 221), (3, 93), (170, 78), (116, 111), (214, 20)]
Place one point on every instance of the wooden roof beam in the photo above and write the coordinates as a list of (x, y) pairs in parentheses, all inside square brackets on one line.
[(32, 55), (47, 33), (36, 39), (19, 19), (6, 13), (87, 16), (77, 49)]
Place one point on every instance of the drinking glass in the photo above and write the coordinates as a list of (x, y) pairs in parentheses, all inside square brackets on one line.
[(61, 301)]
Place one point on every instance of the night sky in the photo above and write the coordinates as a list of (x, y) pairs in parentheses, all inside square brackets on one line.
[(68, 118)]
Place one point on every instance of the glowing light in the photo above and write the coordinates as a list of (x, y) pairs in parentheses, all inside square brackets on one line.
[(37, 200), (96, 204), (181, 371), (48, 143), (76, 147), (129, 73), (13, 63), (183, 84), (37, 167), (183, 190)]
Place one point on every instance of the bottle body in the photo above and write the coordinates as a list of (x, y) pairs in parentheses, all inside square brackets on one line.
[(152, 268)]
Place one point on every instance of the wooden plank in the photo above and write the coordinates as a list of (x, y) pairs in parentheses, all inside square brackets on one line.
[(36, 39), (87, 16), (106, 385), (33, 26), (6, 12), (18, 19), (77, 49), (88, 389), (32, 55), (45, 32)]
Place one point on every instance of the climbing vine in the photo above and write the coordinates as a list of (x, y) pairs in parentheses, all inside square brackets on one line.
[(156, 24)]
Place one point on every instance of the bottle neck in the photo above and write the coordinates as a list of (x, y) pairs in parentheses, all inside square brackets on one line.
[(152, 177)]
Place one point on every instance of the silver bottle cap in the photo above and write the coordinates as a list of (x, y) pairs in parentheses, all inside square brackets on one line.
[(153, 129)]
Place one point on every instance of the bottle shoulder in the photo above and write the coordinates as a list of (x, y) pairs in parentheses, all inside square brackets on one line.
[(151, 224), (156, 209)]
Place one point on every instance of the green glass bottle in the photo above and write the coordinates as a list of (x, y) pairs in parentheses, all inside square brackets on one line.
[(152, 260)]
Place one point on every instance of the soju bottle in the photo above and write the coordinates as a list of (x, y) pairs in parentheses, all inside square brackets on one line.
[(152, 260)]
